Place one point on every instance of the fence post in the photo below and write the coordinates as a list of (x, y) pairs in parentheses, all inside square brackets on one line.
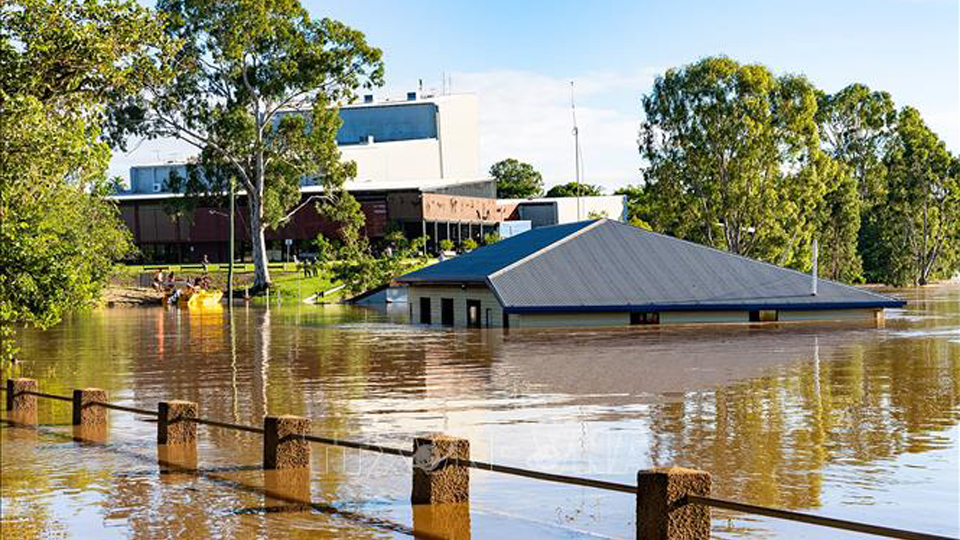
[(661, 514), (283, 444), (85, 413), (436, 480), (172, 424), (19, 402)]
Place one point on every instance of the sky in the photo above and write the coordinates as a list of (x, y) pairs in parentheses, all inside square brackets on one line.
[(519, 58)]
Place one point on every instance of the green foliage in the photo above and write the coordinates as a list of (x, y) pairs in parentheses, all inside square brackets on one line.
[(446, 245), (325, 249), (571, 189), (61, 63), (914, 234), (733, 159), (638, 206), (491, 238), (360, 270), (243, 67), (516, 179), (470, 244)]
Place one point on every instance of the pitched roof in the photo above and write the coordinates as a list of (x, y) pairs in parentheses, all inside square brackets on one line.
[(604, 265)]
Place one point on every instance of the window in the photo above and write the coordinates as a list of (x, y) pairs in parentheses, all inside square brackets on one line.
[(446, 311), (764, 315), (473, 313), (644, 317), (425, 310)]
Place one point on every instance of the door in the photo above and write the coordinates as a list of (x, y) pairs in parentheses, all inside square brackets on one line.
[(473, 313), (425, 311), (446, 311)]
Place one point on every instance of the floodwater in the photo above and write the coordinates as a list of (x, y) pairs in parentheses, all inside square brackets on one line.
[(851, 422)]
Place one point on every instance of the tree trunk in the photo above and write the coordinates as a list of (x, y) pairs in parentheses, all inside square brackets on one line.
[(261, 274)]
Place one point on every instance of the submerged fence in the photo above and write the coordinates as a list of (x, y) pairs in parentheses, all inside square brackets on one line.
[(672, 503)]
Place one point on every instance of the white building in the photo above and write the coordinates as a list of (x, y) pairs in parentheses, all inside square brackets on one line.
[(420, 139)]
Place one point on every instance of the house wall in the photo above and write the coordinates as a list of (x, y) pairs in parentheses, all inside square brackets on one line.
[(831, 315), (460, 296), (698, 317), (546, 320), (543, 320)]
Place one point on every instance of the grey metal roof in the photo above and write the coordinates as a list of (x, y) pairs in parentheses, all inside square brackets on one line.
[(477, 265), (610, 266)]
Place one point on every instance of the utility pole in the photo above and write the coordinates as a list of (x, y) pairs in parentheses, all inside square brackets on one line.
[(576, 147), (230, 248)]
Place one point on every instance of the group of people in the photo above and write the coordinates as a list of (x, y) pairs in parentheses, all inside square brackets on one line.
[(169, 285), (309, 268)]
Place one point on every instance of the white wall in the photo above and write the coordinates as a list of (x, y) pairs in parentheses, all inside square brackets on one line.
[(609, 206), (459, 131), (454, 155), (395, 161)]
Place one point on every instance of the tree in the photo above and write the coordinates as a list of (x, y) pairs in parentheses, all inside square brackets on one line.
[(855, 126), (61, 62), (255, 88), (516, 179), (572, 189), (918, 233), (638, 206), (733, 159)]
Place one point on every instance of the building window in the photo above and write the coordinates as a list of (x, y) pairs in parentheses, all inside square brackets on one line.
[(644, 317), (764, 315), (473, 313), (425, 310), (446, 311)]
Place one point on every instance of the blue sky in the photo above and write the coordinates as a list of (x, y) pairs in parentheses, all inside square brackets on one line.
[(520, 56)]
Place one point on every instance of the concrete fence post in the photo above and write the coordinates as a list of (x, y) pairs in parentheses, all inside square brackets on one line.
[(661, 515), (17, 400), (173, 426), (85, 413), (283, 444), (435, 479)]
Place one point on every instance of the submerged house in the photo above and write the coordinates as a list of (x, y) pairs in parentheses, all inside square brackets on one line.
[(606, 273)]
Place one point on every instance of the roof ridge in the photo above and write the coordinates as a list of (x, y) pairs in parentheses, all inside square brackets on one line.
[(546, 248)]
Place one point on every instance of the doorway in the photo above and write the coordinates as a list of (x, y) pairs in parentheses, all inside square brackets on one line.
[(446, 311), (473, 313), (425, 311)]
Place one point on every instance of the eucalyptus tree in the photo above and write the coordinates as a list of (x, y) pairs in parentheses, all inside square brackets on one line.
[(918, 237), (61, 63), (255, 87), (856, 124), (733, 159)]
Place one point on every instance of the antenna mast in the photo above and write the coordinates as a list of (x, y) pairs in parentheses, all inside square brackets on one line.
[(576, 146)]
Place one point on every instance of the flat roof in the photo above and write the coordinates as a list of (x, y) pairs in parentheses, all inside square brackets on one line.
[(352, 186)]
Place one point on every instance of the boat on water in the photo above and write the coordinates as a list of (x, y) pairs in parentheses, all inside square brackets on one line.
[(192, 297)]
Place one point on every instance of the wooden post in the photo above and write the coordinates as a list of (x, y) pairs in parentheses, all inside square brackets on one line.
[(85, 413), (435, 480), (17, 400), (283, 444), (172, 424), (660, 512)]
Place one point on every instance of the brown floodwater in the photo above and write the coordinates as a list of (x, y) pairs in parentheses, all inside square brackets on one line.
[(852, 422)]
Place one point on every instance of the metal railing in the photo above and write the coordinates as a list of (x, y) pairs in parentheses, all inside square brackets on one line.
[(688, 499)]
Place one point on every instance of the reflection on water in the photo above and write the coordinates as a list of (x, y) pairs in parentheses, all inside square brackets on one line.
[(851, 422)]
